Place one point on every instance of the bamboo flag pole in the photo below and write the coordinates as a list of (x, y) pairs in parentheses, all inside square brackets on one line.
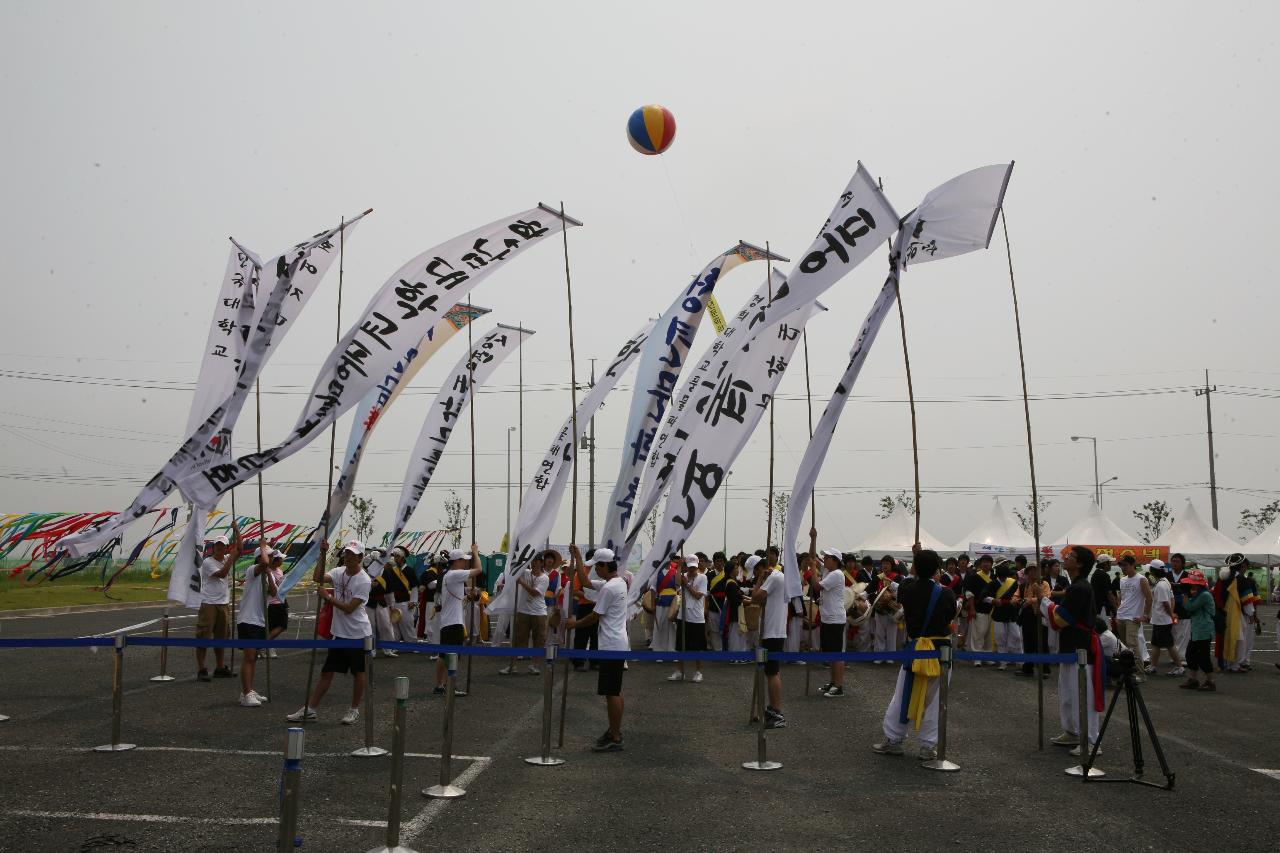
[(768, 515), (808, 400), (573, 416), (333, 445), (472, 627), (911, 395), (232, 581), (519, 425), (262, 515)]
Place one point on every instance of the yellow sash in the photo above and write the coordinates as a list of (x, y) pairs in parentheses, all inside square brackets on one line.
[(922, 669)]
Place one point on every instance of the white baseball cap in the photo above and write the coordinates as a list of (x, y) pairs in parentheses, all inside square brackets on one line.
[(833, 553), (752, 562), (604, 555), (276, 554), (458, 554), (1156, 564), (1104, 558), (691, 561), (355, 546), (220, 540)]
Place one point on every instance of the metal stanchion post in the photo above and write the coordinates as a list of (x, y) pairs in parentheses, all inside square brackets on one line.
[(368, 749), (1082, 699), (446, 789), (761, 689), (164, 650), (397, 771), (548, 682), (290, 787), (944, 683), (117, 702)]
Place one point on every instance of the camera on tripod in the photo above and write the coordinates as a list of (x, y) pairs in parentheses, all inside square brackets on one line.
[(1125, 663)]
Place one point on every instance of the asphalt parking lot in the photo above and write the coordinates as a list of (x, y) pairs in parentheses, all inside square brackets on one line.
[(206, 774)]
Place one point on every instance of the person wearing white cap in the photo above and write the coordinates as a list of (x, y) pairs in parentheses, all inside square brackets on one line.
[(691, 628), (831, 612), (463, 568), (348, 597), (1162, 620), (770, 592), (213, 621), (277, 604), (259, 584), (1182, 627), (610, 614)]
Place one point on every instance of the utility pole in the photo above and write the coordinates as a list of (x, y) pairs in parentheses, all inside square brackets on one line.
[(591, 470), (1205, 392)]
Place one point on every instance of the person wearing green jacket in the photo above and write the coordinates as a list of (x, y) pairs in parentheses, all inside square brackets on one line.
[(1199, 607)]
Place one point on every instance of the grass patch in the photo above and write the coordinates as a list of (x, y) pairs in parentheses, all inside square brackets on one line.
[(14, 595)]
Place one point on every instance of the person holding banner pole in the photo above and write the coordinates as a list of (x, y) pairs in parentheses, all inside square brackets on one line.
[(610, 614), (456, 586), (213, 621), (1074, 621), (770, 593), (261, 582)]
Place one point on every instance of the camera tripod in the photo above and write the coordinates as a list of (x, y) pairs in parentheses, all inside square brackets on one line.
[(1135, 706)]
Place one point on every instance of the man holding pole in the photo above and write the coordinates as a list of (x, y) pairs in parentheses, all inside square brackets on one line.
[(348, 596), (610, 615), (213, 620), (770, 593), (1074, 621), (453, 592), (928, 608), (260, 583), (691, 633)]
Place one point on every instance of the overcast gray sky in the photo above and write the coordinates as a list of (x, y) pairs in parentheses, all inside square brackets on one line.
[(138, 136)]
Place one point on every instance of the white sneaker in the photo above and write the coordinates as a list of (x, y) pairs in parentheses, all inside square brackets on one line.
[(350, 717), (256, 695), (301, 714), (249, 700), (507, 670), (676, 676), (697, 678), (1076, 751), (271, 653), (533, 670), (1177, 671)]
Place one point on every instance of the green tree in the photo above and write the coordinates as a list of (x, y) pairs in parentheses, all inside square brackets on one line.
[(455, 518), (889, 504), (1155, 518), (364, 511), (1256, 521), (1027, 521)]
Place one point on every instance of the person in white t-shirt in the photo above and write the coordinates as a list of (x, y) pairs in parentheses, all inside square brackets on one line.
[(770, 592), (1162, 617), (610, 614), (530, 625), (213, 621), (832, 614), (691, 627), (349, 595), (456, 589), (260, 584)]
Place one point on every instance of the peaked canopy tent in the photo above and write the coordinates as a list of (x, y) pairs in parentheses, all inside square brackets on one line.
[(1095, 528), (998, 528), (1196, 539), (1265, 547), (895, 536)]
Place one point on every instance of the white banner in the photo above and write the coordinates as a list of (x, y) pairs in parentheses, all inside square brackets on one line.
[(658, 370), (454, 396), (953, 219), (402, 311), (716, 428), (860, 221), (542, 498), (980, 549), (368, 415), (194, 451)]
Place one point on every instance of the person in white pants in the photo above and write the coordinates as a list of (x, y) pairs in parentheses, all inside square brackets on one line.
[(1182, 627), (928, 609), (979, 603), (500, 631), (1004, 614), (400, 583), (1075, 622)]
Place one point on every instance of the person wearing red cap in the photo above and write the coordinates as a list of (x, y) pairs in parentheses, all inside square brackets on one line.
[(1200, 608)]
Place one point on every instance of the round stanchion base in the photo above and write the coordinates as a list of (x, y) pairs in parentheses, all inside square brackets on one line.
[(396, 849), (940, 764), (1078, 770), (443, 792), (762, 765), (369, 751), (115, 747), (549, 761), (163, 678)]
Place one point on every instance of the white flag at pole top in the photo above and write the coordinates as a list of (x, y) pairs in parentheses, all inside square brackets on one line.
[(215, 428), (368, 415), (954, 218), (408, 304)]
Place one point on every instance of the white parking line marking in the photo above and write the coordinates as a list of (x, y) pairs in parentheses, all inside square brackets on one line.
[(1274, 774), (267, 752)]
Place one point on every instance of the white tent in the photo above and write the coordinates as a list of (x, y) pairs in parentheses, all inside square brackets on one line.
[(1096, 529), (896, 535), (998, 528), (1192, 536), (1265, 547)]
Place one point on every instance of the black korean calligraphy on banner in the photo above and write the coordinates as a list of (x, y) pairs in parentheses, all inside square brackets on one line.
[(542, 498), (413, 298), (657, 372), (726, 409), (196, 452)]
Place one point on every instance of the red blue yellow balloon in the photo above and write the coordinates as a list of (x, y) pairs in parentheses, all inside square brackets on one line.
[(651, 129)]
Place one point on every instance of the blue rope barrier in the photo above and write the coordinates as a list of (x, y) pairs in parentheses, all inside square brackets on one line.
[(644, 654), (1007, 657), (832, 657), (56, 642), (197, 643), (461, 651)]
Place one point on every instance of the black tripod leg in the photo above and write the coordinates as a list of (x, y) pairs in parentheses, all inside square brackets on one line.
[(1102, 729), (1155, 741), (1135, 736)]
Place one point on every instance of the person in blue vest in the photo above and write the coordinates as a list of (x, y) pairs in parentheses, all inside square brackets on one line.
[(928, 608)]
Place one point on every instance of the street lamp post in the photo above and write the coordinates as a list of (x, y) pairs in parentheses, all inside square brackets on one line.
[(509, 431), (1097, 487), (1100, 485)]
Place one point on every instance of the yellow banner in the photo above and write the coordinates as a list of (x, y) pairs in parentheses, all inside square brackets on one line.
[(717, 316)]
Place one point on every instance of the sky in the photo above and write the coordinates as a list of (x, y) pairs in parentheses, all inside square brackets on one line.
[(139, 136)]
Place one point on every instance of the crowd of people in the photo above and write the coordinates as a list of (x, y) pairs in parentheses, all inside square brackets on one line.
[(1204, 624)]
